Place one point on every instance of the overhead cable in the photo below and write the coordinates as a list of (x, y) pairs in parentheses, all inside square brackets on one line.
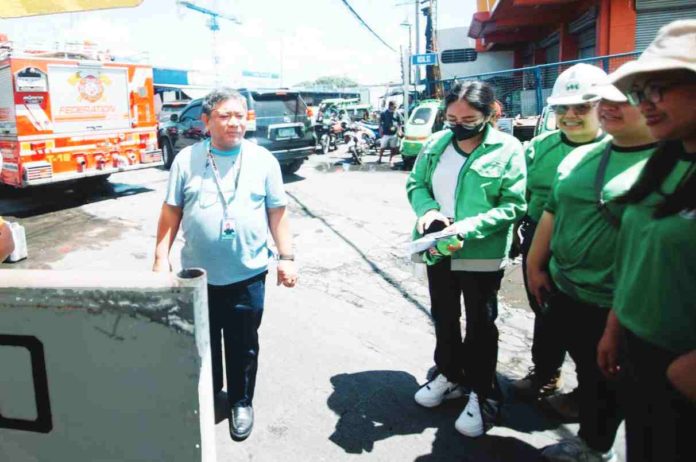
[(366, 26)]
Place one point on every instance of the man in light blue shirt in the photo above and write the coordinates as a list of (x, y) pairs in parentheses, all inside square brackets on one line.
[(226, 193)]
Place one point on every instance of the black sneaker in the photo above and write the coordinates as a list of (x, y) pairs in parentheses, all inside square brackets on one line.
[(535, 386)]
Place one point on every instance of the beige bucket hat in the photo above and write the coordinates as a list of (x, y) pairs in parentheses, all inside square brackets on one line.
[(673, 48)]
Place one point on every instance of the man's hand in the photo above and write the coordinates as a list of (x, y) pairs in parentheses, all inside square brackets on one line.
[(161, 266), (287, 273), (426, 220), (539, 283)]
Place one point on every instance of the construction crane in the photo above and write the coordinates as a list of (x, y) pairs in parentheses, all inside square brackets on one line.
[(214, 27)]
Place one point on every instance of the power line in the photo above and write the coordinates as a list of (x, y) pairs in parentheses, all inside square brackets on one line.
[(366, 26)]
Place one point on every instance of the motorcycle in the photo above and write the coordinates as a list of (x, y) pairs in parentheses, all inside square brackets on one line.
[(371, 133), (325, 136), (358, 141)]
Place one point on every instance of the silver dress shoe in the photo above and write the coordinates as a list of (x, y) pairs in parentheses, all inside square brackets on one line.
[(241, 422)]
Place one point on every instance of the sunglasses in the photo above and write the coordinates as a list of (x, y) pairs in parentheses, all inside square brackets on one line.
[(579, 109), (650, 93)]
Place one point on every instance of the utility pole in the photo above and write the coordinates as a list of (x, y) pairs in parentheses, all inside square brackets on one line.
[(416, 3), (406, 79)]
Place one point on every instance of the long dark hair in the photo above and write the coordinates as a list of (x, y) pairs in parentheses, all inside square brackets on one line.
[(477, 93), (658, 167)]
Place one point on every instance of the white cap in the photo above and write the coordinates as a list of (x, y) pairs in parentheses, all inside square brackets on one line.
[(673, 48), (574, 83)]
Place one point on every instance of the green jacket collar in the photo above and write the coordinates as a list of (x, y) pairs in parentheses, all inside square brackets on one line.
[(491, 137)]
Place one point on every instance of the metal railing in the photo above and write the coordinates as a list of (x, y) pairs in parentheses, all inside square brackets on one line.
[(523, 91)]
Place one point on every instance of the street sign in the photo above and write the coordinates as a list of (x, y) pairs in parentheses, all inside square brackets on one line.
[(426, 59)]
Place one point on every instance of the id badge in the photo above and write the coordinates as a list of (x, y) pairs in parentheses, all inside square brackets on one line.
[(227, 229)]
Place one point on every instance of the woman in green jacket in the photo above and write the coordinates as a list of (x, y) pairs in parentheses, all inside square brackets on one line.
[(469, 179), (654, 306)]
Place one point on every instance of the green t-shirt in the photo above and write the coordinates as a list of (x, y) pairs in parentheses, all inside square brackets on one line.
[(656, 271), (543, 154), (584, 241)]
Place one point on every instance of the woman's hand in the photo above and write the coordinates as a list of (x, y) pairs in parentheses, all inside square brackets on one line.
[(539, 283), (682, 375), (430, 216), (608, 347)]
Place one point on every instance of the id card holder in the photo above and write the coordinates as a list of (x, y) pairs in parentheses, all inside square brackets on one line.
[(227, 229)]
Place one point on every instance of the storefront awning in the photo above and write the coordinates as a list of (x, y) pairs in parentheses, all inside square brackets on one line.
[(19, 8), (516, 21)]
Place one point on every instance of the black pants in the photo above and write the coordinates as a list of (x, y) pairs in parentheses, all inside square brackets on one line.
[(236, 310), (660, 421), (580, 327), (477, 355), (547, 353)]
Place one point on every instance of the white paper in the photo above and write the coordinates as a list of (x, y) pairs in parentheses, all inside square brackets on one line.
[(428, 241)]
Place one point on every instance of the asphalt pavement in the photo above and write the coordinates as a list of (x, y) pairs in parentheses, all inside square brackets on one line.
[(342, 353)]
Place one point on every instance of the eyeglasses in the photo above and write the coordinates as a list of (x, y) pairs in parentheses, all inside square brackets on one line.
[(579, 109), (651, 93)]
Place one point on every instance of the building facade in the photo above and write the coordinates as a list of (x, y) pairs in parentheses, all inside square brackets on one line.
[(549, 31)]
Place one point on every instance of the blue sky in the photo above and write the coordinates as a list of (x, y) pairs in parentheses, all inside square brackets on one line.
[(304, 39)]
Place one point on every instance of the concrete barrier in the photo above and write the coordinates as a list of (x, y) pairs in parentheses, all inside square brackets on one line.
[(105, 366)]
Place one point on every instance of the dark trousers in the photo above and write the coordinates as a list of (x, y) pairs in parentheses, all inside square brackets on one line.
[(547, 353), (581, 326), (477, 355), (660, 421), (235, 312)]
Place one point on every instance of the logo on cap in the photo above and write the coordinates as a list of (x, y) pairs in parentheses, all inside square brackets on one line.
[(572, 86)]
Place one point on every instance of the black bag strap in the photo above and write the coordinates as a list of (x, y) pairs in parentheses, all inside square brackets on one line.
[(599, 186)]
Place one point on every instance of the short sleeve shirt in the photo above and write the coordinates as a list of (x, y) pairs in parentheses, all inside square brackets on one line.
[(656, 268), (544, 154), (192, 187), (389, 121), (584, 241)]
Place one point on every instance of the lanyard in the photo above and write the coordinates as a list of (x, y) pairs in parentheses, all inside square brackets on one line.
[(599, 186), (218, 181)]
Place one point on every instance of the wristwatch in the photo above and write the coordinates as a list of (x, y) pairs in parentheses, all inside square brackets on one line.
[(287, 256)]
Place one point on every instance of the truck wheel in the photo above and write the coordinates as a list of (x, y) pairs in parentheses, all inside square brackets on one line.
[(292, 167), (167, 152)]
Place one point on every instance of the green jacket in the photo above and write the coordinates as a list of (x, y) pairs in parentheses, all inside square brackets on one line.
[(490, 196)]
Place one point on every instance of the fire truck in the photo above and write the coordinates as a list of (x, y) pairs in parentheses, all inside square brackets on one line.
[(70, 116)]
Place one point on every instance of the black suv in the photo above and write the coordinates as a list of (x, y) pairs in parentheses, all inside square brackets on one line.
[(277, 120)]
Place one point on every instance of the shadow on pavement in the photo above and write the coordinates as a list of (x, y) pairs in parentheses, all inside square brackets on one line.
[(375, 405), (30, 202), (523, 416), (222, 407), (289, 178)]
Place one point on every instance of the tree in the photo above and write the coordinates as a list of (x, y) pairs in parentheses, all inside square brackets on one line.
[(331, 81), (336, 81)]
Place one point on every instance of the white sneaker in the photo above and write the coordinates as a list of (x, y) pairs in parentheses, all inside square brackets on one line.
[(576, 450), (470, 421), (437, 390)]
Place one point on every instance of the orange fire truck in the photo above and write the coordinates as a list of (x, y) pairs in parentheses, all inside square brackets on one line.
[(67, 116)]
